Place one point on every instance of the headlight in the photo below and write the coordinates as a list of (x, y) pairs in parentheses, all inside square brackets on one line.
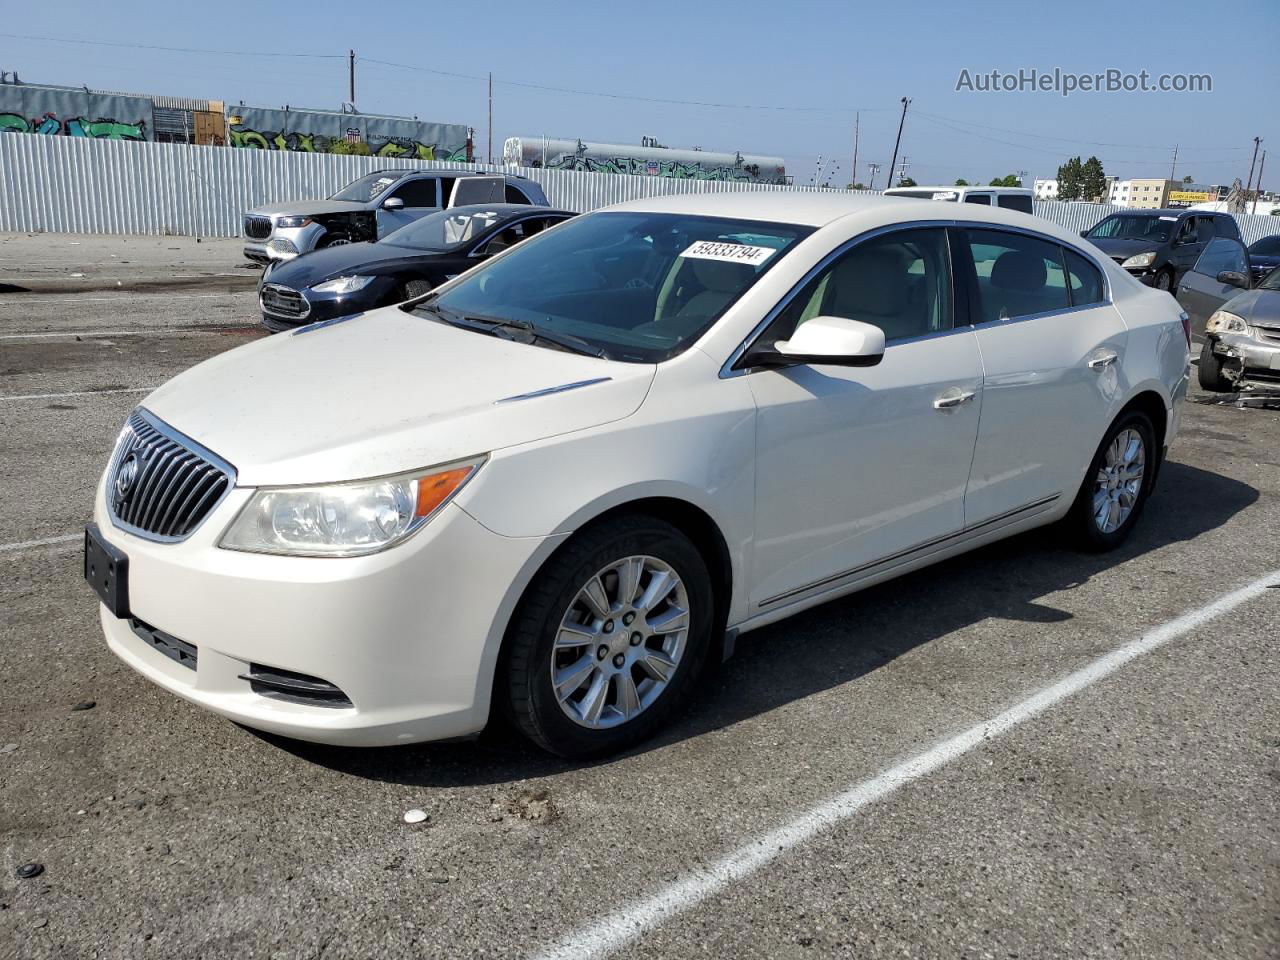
[(287, 223), (344, 519), (343, 285), (1224, 322), (1141, 260)]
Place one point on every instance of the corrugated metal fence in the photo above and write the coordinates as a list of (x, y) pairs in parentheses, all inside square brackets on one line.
[(79, 185)]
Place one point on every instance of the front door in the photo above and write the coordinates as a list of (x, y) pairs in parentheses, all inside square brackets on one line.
[(1051, 350), (1201, 292), (855, 465), (417, 197)]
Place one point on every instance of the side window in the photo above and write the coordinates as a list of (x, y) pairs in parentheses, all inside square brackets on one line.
[(900, 282), (1204, 229), (1018, 275), (982, 198), (418, 193), (1226, 227), (1186, 231), (507, 237), (515, 195), (1015, 201), (1222, 254), (1085, 279)]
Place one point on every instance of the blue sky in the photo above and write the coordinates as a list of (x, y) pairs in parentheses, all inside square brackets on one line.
[(828, 58)]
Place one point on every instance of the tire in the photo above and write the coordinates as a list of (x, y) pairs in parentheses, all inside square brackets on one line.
[(333, 240), (609, 654), (413, 289), (1083, 521), (1164, 280), (1209, 371)]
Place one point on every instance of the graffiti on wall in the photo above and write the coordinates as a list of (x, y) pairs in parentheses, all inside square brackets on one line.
[(307, 131), (59, 111), (674, 169)]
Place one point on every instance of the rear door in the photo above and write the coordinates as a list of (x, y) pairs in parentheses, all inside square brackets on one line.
[(1051, 343), (1187, 245), (1201, 292)]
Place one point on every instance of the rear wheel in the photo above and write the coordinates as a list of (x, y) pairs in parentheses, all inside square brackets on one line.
[(1117, 484), (1209, 371), (610, 640)]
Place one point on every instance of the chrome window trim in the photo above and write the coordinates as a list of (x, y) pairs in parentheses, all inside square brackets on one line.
[(727, 369), (178, 437)]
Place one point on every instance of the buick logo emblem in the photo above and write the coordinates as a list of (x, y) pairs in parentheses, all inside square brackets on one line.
[(126, 475)]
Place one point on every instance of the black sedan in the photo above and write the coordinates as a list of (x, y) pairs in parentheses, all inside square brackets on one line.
[(352, 277), (1264, 256)]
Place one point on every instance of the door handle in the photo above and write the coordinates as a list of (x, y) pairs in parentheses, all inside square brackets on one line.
[(1102, 361), (952, 398)]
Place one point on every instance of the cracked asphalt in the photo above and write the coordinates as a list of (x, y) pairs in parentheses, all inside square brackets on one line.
[(1139, 817)]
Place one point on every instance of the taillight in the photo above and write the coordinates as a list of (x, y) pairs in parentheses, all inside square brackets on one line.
[(1186, 326)]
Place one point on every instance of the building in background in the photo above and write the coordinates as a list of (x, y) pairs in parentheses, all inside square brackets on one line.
[(649, 159), (1141, 194), (1045, 189)]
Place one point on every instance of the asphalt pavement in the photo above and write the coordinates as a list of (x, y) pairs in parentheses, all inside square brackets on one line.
[(1136, 815)]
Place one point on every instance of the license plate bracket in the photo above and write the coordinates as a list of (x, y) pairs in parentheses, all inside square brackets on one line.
[(107, 570)]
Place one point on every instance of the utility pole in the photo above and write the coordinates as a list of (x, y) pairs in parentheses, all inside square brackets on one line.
[(1173, 169), (853, 171), (1258, 191), (874, 168), (1249, 185), (491, 117), (901, 120), (351, 76)]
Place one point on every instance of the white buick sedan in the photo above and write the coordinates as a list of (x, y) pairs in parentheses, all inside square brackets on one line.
[(560, 485)]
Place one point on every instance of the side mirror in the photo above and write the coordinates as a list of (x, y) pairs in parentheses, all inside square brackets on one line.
[(1234, 278), (393, 203), (1084, 233), (823, 340)]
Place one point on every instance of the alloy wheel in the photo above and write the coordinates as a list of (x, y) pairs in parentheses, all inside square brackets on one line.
[(620, 642), (1119, 480)]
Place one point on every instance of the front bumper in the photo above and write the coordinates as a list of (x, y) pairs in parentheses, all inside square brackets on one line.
[(1257, 357), (410, 635)]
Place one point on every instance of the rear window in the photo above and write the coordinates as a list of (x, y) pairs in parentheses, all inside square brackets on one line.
[(515, 194), (981, 198), (1015, 201), (1017, 275)]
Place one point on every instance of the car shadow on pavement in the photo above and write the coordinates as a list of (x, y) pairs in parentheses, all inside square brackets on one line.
[(839, 641)]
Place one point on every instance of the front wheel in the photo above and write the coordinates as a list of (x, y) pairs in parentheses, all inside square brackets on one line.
[(611, 639), (1164, 280), (1116, 486), (1209, 371)]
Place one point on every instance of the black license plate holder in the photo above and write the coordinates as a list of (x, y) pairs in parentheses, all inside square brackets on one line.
[(107, 570)]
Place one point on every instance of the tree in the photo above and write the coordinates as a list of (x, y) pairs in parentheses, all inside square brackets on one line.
[(1188, 179), (907, 182), (962, 182), (1011, 180), (1070, 180), (856, 186), (1093, 181)]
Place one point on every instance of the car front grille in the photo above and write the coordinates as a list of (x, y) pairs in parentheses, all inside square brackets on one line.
[(283, 301), (257, 228), (1269, 333), (161, 485)]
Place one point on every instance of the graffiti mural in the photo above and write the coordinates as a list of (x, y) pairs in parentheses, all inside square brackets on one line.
[(313, 131), (648, 160), (61, 111)]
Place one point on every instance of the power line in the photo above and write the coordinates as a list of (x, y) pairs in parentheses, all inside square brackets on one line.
[(149, 46)]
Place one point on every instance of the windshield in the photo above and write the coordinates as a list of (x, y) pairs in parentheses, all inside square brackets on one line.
[(446, 229), (1266, 247), (366, 188), (641, 287), (1272, 281), (1129, 226)]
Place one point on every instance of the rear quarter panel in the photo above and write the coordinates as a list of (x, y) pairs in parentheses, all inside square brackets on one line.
[(1156, 356)]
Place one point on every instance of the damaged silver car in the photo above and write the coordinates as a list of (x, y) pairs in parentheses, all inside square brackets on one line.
[(1240, 320)]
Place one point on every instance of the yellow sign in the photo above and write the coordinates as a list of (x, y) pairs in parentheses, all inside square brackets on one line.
[(1190, 196)]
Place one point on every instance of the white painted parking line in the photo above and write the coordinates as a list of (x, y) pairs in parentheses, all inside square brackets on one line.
[(137, 332), (617, 930), (46, 542), (75, 393)]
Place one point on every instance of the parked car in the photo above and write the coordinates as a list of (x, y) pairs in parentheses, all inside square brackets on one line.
[(407, 263), (1159, 246), (1011, 198), (1240, 319), (372, 207), (559, 485), (1264, 256)]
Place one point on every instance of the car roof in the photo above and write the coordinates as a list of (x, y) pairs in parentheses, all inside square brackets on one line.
[(970, 188), (442, 172), (1170, 212), (507, 209)]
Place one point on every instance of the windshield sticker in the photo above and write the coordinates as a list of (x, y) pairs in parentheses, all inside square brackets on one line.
[(729, 252)]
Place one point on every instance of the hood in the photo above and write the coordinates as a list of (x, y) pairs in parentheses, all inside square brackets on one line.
[(1118, 247), (385, 392), (308, 208), (1258, 308), (351, 258)]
